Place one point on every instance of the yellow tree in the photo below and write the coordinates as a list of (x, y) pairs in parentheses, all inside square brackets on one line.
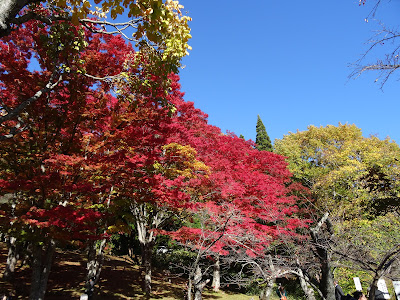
[(347, 173), (352, 178)]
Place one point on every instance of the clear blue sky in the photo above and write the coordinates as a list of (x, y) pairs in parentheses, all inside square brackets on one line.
[(287, 61)]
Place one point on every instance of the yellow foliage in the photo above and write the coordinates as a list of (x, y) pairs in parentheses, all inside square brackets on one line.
[(119, 227), (162, 23), (181, 161), (344, 170)]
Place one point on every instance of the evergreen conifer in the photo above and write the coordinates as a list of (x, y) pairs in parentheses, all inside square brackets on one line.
[(263, 141)]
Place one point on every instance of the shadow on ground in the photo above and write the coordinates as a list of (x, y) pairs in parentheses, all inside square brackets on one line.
[(119, 279)]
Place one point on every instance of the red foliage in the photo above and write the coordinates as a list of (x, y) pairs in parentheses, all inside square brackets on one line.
[(46, 165), (86, 149), (248, 194)]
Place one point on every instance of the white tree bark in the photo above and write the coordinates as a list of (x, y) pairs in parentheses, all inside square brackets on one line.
[(199, 284), (147, 218), (95, 262), (12, 258), (266, 293), (308, 290), (216, 283), (8, 11), (324, 255)]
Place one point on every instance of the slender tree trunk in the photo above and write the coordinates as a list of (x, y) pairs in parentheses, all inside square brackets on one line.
[(147, 251), (189, 295), (41, 264), (94, 263), (12, 258), (373, 288), (382, 269), (308, 291), (266, 293), (216, 283), (199, 284), (147, 219), (146, 240)]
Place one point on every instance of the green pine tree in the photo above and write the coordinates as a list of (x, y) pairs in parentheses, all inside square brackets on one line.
[(263, 141)]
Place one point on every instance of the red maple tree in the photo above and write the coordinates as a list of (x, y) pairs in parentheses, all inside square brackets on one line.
[(247, 197), (43, 161), (122, 146)]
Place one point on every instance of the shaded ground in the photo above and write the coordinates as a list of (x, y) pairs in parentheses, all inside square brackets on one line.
[(119, 280)]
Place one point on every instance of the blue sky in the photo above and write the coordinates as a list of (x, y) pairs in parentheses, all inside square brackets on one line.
[(287, 61)]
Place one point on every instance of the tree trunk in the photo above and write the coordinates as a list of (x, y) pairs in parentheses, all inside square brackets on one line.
[(327, 286), (147, 251), (198, 294), (382, 269), (8, 11), (199, 284), (373, 288), (266, 293), (12, 258), (41, 265), (146, 219), (308, 291), (216, 283), (94, 263), (189, 295)]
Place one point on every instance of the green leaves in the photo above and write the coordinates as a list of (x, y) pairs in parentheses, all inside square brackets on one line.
[(263, 141)]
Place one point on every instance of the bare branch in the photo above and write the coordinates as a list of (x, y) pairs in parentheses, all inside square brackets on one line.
[(112, 77), (119, 27), (373, 10), (389, 258), (320, 223), (387, 66)]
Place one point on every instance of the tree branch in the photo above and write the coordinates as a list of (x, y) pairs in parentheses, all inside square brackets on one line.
[(16, 111)]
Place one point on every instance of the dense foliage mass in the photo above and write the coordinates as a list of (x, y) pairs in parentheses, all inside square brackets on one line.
[(107, 148), (157, 29), (97, 143), (355, 180)]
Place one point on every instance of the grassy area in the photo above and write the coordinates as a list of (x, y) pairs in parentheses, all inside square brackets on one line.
[(119, 280), (225, 296)]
